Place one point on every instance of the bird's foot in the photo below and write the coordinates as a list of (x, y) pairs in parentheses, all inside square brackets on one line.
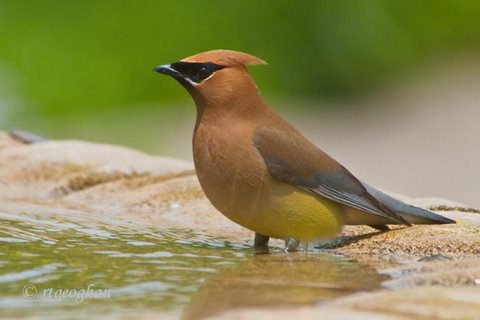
[(260, 243), (291, 245), (306, 247)]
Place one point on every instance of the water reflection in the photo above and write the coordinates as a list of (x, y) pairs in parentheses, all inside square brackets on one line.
[(148, 268), (280, 280), (151, 271)]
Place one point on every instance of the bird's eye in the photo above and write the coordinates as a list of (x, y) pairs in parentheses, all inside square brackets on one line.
[(203, 73), (195, 71)]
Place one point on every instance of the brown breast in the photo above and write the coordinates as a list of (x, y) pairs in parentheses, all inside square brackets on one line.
[(229, 168)]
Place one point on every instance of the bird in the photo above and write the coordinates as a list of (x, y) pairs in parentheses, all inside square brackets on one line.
[(262, 173)]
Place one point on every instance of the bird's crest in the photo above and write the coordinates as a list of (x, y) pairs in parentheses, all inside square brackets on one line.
[(226, 58)]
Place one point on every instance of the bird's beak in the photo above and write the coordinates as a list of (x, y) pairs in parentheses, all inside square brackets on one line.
[(168, 70)]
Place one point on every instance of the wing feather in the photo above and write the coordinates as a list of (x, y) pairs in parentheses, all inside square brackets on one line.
[(291, 158)]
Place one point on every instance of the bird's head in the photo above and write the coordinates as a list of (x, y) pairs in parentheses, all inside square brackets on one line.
[(214, 77)]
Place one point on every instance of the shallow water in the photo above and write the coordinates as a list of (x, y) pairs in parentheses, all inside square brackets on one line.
[(64, 263)]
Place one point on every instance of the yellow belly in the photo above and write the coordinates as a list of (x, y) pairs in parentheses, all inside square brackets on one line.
[(292, 212)]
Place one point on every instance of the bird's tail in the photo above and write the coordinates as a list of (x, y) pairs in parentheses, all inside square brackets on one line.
[(410, 213)]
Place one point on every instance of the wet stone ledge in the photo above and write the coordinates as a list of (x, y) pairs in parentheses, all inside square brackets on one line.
[(432, 271)]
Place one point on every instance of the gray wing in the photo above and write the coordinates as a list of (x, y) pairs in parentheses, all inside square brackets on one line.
[(291, 158)]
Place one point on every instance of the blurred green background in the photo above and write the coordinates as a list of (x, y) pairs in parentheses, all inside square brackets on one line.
[(65, 58), (83, 69)]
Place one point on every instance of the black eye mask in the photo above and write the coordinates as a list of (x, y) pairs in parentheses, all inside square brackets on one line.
[(195, 71)]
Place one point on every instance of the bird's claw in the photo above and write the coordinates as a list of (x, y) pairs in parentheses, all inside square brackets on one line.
[(291, 245)]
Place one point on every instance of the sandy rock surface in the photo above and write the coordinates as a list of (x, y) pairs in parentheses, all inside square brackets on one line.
[(431, 267), (405, 304)]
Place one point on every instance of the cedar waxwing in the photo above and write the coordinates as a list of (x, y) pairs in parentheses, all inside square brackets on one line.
[(262, 173)]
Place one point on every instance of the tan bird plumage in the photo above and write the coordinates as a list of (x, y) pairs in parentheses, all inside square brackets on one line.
[(261, 172)]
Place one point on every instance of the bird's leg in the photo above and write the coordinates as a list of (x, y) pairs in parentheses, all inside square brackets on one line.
[(291, 245), (260, 243)]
